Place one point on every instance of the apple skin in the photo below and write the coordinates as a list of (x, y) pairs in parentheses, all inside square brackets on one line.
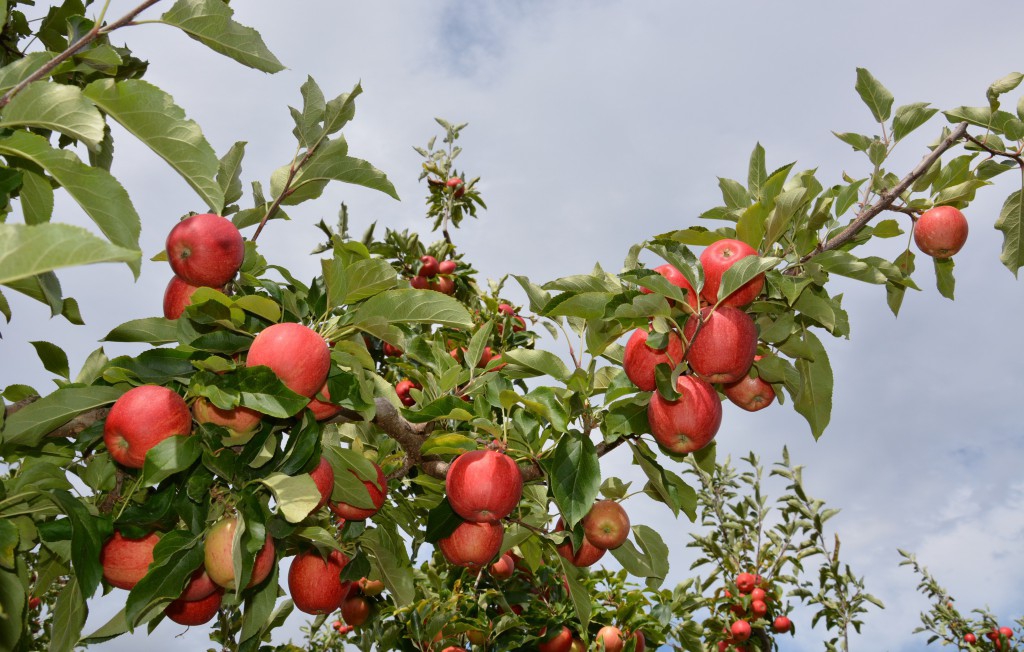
[(639, 360), (750, 393), (740, 630), (199, 586), (520, 323), (371, 587), (472, 545), (239, 420), (218, 554), (195, 612), (560, 642), (447, 267), (314, 583), (782, 624), (758, 608), (503, 568), (297, 354), (611, 636), (676, 278), (355, 610), (402, 388), (126, 561), (606, 525), (457, 184), (205, 250), (323, 476), (940, 232), (392, 351), (177, 297), (968, 638), (716, 259), (587, 555), (723, 350), (689, 423), (323, 410), (641, 642), (353, 513), (419, 282), (140, 419), (745, 582), (429, 267), (483, 485), (445, 285)]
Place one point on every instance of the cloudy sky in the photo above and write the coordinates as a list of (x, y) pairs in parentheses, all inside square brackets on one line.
[(596, 125)]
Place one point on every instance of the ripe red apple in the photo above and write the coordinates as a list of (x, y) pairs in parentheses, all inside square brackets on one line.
[(639, 360), (445, 285), (641, 642), (195, 612), (503, 568), (205, 250), (782, 624), (689, 423), (126, 561), (392, 351), (520, 323), (676, 278), (970, 638), (611, 636), (356, 610), (472, 545), (458, 185), (745, 582), (1006, 631), (143, 417), (402, 388), (239, 420), (353, 513), (323, 476), (940, 232), (723, 348), (740, 630), (560, 641), (758, 608), (429, 267), (177, 297), (750, 393), (296, 353), (759, 594), (323, 410), (199, 586), (446, 267), (314, 582), (419, 282), (219, 555), (716, 259), (483, 485), (587, 555), (34, 603), (606, 525)]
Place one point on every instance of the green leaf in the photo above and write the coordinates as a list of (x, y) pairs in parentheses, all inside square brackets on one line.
[(846, 264), (151, 115), (982, 116), (229, 173), (27, 251), (542, 362), (170, 456), (296, 496), (69, 614), (575, 476), (909, 117), (786, 207), (960, 193), (210, 23), (859, 142), (742, 271), (54, 359), (1011, 223), (307, 122), (12, 604), (1002, 85), (757, 173), (733, 193), (368, 277), (656, 552), (99, 194), (413, 307), (36, 197), (152, 330), (8, 543), (85, 540), (578, 594), (57, 107), (944, 276), (332, 163), (175, 557), (28, 426), (874, 94), (447, 443), (393, 564), (814, 400)]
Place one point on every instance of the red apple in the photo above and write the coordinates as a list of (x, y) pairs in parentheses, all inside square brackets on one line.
[(296, 353), (199, 586), (611, 637), (402, 388), (419, 282), (353, 513), (143, 417), (968, 637), (689, 423), (639, 360), (676, 278), (758, 608), (447, 267), (587, 555), (219, 555), (483, 485), (323, 476), (34, 603), (314, 583), (126, 561), (782, 624), (561, 641), (641, 642), (445, 285), (723, 349), (392, 351), (520, 323), (940, 232), (355, 610), (740, 630), (606, 525), (323, 410), (759, 594), (177, 297), (578, 646), (195, 612), (745, 582), (750, 392), (239, 420), (471, 544), (716, 259), (205, 250), (503, 568), (429, 266), (458, 185)]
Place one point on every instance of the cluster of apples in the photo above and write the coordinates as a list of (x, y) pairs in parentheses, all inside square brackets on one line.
[(752, 604), (719, 342), (204, 251), (940, 232), (435, 275), (997, 636), (605, 527)]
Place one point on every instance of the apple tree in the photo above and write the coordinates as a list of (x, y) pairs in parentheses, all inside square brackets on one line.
[(393, 410)]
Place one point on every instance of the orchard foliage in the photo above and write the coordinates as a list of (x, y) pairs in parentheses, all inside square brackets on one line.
[(470, 358)]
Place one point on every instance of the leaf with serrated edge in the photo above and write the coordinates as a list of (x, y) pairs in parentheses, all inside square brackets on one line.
[(28, 426), (21, 69), (152, 330), (332, 163), (874, 94), (909, 117), (814, 400), (296, 496), (1011, 223), (575, 476), (210, 23), (414, 307), (57, 107)]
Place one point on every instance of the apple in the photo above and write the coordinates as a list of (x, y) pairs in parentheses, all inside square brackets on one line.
[(239, 420), (483, 485), (740, 630), (177, 297), (940, 232), (472, 544), (716, 259), (353, 513), (723, 348), (520, 323), (402, 388), (559, 642), (458, 185), (392, 351), (639, 360), (689, 423), (587, 555), (641, 642), (199, 586), (323, 410), (355, 610), (445, 285), (750, 392), (219, 555), (758, 608), (314, 582), (503, 568), (195, 612), (1006, 631), (745, 582), (782, 624), (126, 561), (323, 476), (447, 267), (676, 278), (606, 525), (578, 646), (296, 353), (371, 587), (419, 282), (205, 250), (429, 266), (140, 419), (610, 637), (759, 594), (970, 638)]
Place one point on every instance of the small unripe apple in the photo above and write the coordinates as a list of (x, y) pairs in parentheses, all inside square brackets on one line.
[(940, 232), (688, 423), (353, 513), (639, 360), (314, 583), (140, 419), (606, 525), (205, 250), (483, 485), (296, 353), (126, 561), (429, 267), (195, 612)]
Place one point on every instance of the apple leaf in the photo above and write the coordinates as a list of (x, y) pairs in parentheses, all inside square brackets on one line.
[(36, 198), (21, 69), (742, 271), (447, 443), (536, 363), (368, 277), (175, 557), (296, 496), (441, 522), (329, 162), (909, 117), (846, 264), (170, 456), (575, 473), (229, 173), (1011, 223), (876, 96), (258, 616), (578, 594), (28, 426), (12, 602), (664, 485), (151, 115), (307, 121), (393, 562), (53, 357), (85, 540), (152, 330), (57, 107), (69, 614), (28, 251), (210, 23), (411, 306), (814, 400), (656, 553), (944, 279)]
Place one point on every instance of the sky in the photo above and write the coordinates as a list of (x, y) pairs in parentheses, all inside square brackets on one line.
[(595, 125)]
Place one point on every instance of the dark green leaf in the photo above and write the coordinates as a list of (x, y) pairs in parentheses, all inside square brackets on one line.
[(210, 23), (393, 564), (229, 173), (54, 359), (814, 400), (742, 271), (152, 330), (578, 594), (85, 541), (1011, 223), (575, 476), (170, 456), (28, 426), (36, 198), (176, 556), (69, 614)]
